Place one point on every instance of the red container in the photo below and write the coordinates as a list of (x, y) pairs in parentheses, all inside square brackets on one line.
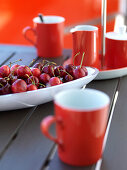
[(116, 49), (85, 40), (81, 119), (49, 36)]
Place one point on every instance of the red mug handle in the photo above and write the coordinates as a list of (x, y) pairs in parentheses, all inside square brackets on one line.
[(25, 30), (45, 125)]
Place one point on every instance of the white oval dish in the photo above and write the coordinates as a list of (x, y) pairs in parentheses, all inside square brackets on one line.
[(40, 96)]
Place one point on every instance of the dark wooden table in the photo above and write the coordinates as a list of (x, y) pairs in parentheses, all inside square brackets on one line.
[(23, 147)]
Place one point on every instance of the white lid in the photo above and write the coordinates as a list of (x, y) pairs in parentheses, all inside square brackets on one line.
[(121, 34)]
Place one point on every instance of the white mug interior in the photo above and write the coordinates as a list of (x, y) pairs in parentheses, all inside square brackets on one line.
[(82, 100), (84, 28), (49, 19)]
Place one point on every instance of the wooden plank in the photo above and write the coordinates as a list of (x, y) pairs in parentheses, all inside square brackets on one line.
[(107, 86), (4, 56), (17, 48), (26, 57), (58, 60), (10, 123), (115, 154), (30, 148)]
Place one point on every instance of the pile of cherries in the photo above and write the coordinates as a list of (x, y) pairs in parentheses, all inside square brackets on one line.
[(21, 78)]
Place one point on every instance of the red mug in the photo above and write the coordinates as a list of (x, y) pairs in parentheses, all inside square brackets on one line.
[(116, 49), (81, 118), (85, 40), (49, 35)]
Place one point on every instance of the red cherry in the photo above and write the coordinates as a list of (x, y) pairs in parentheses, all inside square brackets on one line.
[(69, 68), (13, 79), (33, 80), (6, 89), (24, 71), (3, 82), (44, 78), (49, 70), (79, 72), (4, 71), (38, 65), (60, 71), (14, 69), (36, 72), (68, 77), (55, 81), (19, 86), (84, 68), (31, 87)]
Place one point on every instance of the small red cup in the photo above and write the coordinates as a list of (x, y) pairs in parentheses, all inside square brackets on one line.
[(85, 39), (116, 49), (49, 35), (81, 119)]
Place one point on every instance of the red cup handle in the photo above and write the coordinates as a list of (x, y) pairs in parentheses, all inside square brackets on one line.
[(45, 125), (25, 30)]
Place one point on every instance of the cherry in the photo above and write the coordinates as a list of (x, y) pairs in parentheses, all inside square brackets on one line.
[(48, 70), (69, 68), (38, 65), (13, 79), (23, 71), (31, 87), (84, 68), (19, 86), (60, 71), (3, 82), (55, 81), (36, 72), (4, 71), (68, 77), (33, 80), (44, 78), (14, 69), (6, 89), (79, 72)]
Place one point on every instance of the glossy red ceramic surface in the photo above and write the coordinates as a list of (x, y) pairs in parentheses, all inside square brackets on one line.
[(80, 134), (49, 38), (86, 41), (116, 53)]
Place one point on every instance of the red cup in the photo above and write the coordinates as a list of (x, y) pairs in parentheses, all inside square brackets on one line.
[(116, 49), (49, 35), (85, 39), (81, 119)]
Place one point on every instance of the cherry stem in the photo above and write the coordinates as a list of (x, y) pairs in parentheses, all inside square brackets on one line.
[(75, 56), (1, 85), (66, 72), (42, 84), (31, 62), (14, 62), (47, 64), (82, 59)]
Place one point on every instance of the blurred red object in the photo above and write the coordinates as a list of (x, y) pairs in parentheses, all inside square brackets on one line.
[(15, 15)]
